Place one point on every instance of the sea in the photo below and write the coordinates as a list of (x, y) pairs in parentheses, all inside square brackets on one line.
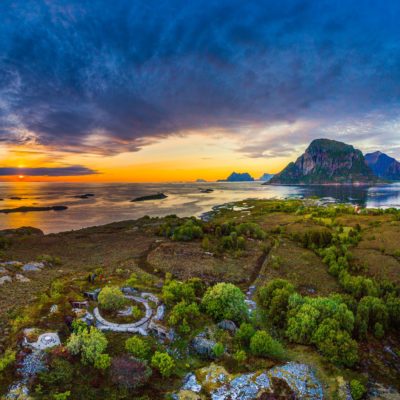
[(112, 201)]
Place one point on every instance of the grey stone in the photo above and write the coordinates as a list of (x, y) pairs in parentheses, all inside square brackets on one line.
[(190, 383), (227, 325), (4, 279), (33, 266), (301, 379), (22, 278), (203, 347)]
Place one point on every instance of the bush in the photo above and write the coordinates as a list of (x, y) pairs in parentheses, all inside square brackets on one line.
[(138, 347), (240, 356), (357, 389), (175, 291), (188, 231), (182, 315), (89, 343), (111, 298), (7, 359), (274, 299), (61, 372), (163, 362), (335, 344), (263, 345), (102, 361), (128, 372), (245, 333), (218, 350), (370, 312), (62, 396), (225, 301)]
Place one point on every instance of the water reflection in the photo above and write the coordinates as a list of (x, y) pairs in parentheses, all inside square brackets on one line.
[(112, 201)]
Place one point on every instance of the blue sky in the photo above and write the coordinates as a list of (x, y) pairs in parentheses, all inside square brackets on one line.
[(108, 78)]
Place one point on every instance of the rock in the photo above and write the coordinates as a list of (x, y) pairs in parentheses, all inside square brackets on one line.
[(380, 392), (343, 392), (53, 308), (33, 266), (22, 231), (22, 278), (3, 270), (203, 346), (290, 381), (227, 325), (84, 196), (32, 364), (18, 391), (4, 279), (129, 290), (300, 378), (158, 196), (160, 313), (93, 295), (15, 264), (190, 383)]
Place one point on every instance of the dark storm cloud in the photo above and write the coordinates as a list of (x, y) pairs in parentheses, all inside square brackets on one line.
[(127, 72), (74, 170)]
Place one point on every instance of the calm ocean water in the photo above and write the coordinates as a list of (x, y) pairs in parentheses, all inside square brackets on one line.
[(112, 201)]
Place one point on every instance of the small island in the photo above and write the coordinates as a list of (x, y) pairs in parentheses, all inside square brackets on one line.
[(157, 196), (31, 209), (84, 196), (238, 177)]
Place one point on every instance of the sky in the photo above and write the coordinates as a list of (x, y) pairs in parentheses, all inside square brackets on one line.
[(161, 90)]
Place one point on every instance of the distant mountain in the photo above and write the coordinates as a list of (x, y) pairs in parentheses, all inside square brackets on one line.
[(383, 166), (200, 180), (238, 177), (327, 161), (266, 177)]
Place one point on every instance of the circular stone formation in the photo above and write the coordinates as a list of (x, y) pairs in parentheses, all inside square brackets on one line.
[(136, 327)]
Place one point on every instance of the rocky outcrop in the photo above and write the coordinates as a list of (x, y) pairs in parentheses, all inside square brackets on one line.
[(383, 166), (325, 162), (266, 177), (157, 196), (289, 381)]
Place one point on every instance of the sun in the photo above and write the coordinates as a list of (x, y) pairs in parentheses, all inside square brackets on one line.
[(21, 176)]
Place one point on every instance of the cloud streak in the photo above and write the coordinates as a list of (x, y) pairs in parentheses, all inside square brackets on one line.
[(84, 77)]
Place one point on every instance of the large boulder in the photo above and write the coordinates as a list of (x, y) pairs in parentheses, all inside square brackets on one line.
[(203, 346)]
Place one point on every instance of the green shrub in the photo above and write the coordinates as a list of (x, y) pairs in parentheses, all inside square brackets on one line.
[(245, 333), (61, 372), (111, 298), (62, 396), (138, 347), (89, 343), (164, 363), (274, 299), (183, 315), (357, 389), (175, 292), (370, 312), (188, 231), (263, 345), (218, 350), (240, 356), (225, 301), (7, 359)]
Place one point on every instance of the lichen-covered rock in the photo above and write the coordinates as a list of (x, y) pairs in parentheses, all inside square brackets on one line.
[(190, 383), (290, 381), (22, 278), (33, 266), (300, 378)]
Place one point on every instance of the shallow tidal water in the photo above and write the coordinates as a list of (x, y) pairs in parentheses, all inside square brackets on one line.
[(112, 200)]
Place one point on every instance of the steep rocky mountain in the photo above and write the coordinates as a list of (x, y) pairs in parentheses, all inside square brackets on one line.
[(238, 177), (383, 166), (327, 161)]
